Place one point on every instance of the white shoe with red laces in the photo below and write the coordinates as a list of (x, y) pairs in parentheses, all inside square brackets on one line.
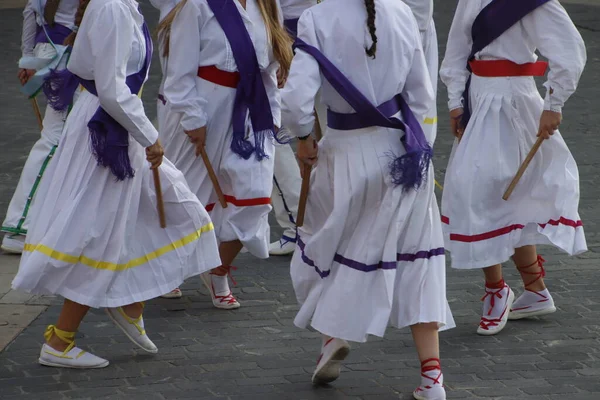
[(496, 307), (432, 382), (173, 294), (532, 303), (333, 352), (221, 294)]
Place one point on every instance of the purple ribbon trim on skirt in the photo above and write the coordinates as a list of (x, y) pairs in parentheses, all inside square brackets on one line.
[(292, 26), (357, 265), (58, 33), (495, 19)]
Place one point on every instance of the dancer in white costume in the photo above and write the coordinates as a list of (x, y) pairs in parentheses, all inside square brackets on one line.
[(423, 12), (58, 17), (287, 180), (370, 252), (482, 229), (203, 80), (95, 237)]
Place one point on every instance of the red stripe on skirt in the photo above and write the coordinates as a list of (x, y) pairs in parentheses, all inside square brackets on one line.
[(259, 201)]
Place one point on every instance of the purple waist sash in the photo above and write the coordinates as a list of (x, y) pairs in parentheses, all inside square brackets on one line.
[(495, 19), (409, 170), (348, 122), (292, 26), (57, 33)]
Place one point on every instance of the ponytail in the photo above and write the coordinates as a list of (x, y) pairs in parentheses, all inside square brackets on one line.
[(164, 28), (370, 4), (70, 40), (280, 39), (50, 10)]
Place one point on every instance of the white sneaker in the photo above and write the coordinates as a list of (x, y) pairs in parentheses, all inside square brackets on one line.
[(173, 294), (13, 244), (72, 358), (218, 287), (532, 304), (432, 384), (283, 247), (133, 329), (333, 352), (496, 307)]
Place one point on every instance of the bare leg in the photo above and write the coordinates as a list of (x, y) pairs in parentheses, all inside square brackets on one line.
[(228, 252), (427, 342), (69, 319), (134, 310), (493, 275), (525, 259)]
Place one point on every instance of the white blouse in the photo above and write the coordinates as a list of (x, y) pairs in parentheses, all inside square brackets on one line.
[(198, 40), (110, 46), (32, 18), (164, 6), (338, 29), (423, 12), (292, 9), (547, 29)]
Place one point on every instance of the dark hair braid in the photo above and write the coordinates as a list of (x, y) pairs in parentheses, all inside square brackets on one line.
[(70, 40), (370, 4), (50, 11)]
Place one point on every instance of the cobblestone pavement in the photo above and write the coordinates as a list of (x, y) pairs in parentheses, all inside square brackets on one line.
[(257, 353)]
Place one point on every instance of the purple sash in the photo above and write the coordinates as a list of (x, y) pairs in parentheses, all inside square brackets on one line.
[(251, 95), (292, 26), (57, 33), (495, 19), (408, 170)]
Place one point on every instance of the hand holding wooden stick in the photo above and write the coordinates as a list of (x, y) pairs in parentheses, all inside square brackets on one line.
[(523, 167), (160, 205), (213, 177)]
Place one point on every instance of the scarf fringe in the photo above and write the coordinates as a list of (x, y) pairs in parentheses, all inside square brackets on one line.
[(410, 170), (59, 87), (244, 148), (114, 157)]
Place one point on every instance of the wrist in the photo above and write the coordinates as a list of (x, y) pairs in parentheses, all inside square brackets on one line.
[(303, 138)]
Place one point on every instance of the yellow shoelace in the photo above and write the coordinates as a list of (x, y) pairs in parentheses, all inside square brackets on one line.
[(67, 337)]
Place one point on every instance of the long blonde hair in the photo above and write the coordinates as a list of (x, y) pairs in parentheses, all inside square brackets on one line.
[(278, 36)]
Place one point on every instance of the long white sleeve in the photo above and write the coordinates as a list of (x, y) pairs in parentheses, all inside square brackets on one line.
[(29, 30), (269, 77), (454, 71), (418, 90), (423, 12), (110, 36), (298, 98), (182, 68), (557, 38)]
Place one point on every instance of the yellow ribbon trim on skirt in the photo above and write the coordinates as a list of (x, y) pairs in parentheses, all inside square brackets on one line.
[(430, 121), (109, 266)]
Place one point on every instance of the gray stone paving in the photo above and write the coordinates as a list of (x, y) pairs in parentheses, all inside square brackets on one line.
[(257, 353)]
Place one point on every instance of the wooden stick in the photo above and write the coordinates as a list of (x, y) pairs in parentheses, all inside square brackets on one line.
[(38, 114), (318, 131), (213, 178), (523, 167), (160, 205), (303, 195)]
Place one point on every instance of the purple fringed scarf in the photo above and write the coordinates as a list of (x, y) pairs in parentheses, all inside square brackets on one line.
[(110, 140), (495, 19), (251, 95), (408, 170)]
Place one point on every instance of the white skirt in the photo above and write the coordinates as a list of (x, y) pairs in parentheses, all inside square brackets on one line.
[(247, 184), (97, 241), (482, 229), (368, 253), (430, 48)]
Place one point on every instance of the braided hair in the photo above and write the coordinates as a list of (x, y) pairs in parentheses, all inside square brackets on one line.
[(50, 10), (70, 40), (370, 4)]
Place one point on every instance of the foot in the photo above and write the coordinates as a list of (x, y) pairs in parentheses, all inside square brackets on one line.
[(496, 307), (132, 328), (333, 352), (432, 382), (173, 294), (221, 294), (532, 304), (13, 244), (72, 357), (283, 247)]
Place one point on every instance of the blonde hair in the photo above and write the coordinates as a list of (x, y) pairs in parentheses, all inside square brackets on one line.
[(278, 36)]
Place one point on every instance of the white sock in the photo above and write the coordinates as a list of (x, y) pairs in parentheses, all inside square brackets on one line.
[(220, 285), (529, 298)]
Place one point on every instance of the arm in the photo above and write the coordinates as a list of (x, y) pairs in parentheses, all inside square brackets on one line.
[(110, 34), (418, 90), (269, 76), (557, 39), (298, 97), (423, 12), (454, 71), (29, 30), (182, 68)]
